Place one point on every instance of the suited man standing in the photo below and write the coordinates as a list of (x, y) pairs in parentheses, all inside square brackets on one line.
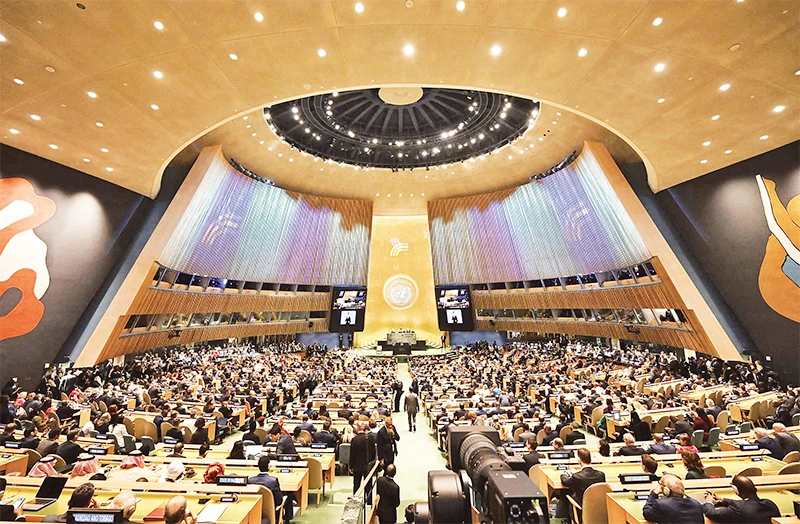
[(360, 455), (387, 443), (389, 493), (397, 387), (673, 507), (750, 509), (274, 485), (411, 408), (579, 481)]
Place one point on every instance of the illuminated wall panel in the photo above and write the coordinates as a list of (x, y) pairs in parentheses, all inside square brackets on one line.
[(569, 223), (247, 230)]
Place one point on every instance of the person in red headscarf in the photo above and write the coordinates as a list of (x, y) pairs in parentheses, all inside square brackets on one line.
[(212, 472)]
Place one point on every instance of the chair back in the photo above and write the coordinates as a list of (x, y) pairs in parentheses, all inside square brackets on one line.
[(129, 427), (517, 433), (60, 463), (187, 434), (750, 472), (576, 509), (746, 427), (661, 425), (713, 437), (148, 445), (129, 443), (796, 419), (715, 472), (268, 507), (735, 413), (755, 413), (792, 456), (138, 428), (150, 430), (697, 438), (790, 469), (579, 442), (540, 436), (146, 397), (597, 414), (102, 406), (33, 458), (561, 434), (306, 435), (314, 473), (344, 454), (64, 397), (722, 420), (165, 426), (595, 510), (262, 434)]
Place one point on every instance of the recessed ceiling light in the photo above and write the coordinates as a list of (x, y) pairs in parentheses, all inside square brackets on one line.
[(734, 47), (778, 109), (154, 107), (18, 81), (2, 38), (583, 52), (496, 50), (461, 6), (704, 161), (562, 12), (91, 94), (707, 143), (728, 151), (658, 21), (109, 169), (53, 146), (50, 69), (321, 52), (715, 117), (724, 87), (36, 117), (158, 25), (86, 160), (661, 100), (98, 124), (764, 137), (158, 74), (659, 67), (13, 131), (259, 17), (408, 50), (233, 56), (104, 150), (797, 73), (359, 7)]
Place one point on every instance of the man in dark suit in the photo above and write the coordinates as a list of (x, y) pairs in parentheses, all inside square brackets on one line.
[(386, 441), (673, 507), (251, 434), (411, 408), (325, 436), (573, 435), (531, 458), (397, 387), (765, 441), (579, 481), (659, 447), (750, 509), (389, 493), (360, 456), (158, 419), (70, 449), (274, 485), (82, 497), (285, 444), (49, 445), (550, 435), (30, 439), (345, 412), (788, 441), (630, 448)]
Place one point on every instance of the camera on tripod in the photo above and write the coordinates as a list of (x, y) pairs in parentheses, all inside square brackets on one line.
[(483, 484)]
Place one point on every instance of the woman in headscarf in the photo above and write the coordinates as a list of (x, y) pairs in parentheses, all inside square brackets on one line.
[(44, 468), (212, 472), (87, 465)]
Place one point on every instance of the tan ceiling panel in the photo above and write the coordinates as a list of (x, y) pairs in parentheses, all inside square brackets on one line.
[(22, 57), (375, 54), (598, 18), (272, 67), (777, 62), (233, 19), (533, 63), (423, 12), (705, 30), (105, 34), (192, 94)]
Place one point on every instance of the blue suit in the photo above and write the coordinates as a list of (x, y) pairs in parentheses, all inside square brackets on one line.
[(673, 510), (771, 445), (274, 485)]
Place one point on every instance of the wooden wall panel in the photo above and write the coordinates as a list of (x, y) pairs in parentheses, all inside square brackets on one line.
[(159, 301)]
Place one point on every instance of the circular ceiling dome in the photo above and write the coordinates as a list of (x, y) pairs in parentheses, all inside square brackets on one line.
[(402, 128)]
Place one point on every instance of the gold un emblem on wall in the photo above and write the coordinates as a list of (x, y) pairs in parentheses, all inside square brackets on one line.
[(398, 247)]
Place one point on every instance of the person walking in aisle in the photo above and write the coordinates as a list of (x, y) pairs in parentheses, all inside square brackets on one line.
[(411, 408)]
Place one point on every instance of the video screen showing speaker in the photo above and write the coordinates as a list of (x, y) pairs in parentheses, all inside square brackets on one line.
[(454, 308), (347, 309)]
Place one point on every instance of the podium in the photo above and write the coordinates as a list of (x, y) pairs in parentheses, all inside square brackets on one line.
[(401, 343)]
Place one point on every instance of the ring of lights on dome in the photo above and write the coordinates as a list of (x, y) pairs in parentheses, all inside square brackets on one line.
[(442, 127), (400, 291)]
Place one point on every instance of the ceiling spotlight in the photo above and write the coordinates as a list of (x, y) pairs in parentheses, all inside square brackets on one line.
[(18, 81), (154, 107), (661, 100), (50, 69), (233, 56), (321, 52), (496, 50), (359, 7), (657, 21), (53, 146), (707, 143), (91, 94), (764, 137), (659, 67), (259, 17), (735, 47), (36, 117), (98, 124), (724, 87), (715, 117), (109, 169), (583, 52), (704, 161), (461, 6), (104, 150), (728, 151), (13, 131), (408, 50), (562, 12), (158, 25), (2, 38), (86, 160), (158, 74), (778, 109)]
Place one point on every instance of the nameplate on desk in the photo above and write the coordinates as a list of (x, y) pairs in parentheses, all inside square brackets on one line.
[(562, 468), (634, 478), (103, 436), (12, 445), (317, 454), (170, 440), (6, 455), (319, 446), (559, 455), (231, 480), (756, 459), (731, 432), (289, 458), (748, 447), (516, 445), (208, 415), (110, 516), (285, 470), (98, 451), (641, 497)]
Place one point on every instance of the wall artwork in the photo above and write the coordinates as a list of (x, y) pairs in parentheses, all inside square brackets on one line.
[(779, 277)]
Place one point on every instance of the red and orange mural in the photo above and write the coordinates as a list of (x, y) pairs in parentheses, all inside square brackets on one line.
[(22, 254)]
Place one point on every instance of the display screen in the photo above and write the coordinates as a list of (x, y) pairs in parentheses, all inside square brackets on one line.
[(632, 479), (348, 307), (454, 308), (231, 480)]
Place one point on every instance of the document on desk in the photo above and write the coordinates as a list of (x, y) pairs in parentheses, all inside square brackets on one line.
[(211, 513)]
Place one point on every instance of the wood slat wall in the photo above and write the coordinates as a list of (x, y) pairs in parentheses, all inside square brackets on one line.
[(161, 301)]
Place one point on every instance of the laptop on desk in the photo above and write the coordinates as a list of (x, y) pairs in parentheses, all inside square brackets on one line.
[(48, 493)]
